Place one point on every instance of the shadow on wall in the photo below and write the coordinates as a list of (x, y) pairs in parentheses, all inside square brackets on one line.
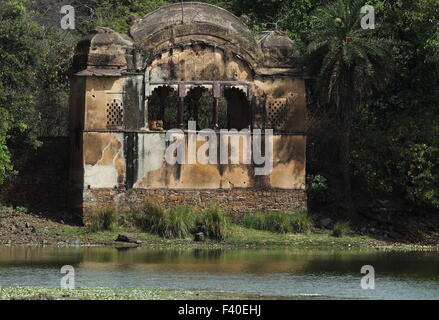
[(41, 184)]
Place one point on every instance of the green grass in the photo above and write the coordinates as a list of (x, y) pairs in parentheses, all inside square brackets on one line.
[(279, 222), (180, 222), (341, 229), (214, 223), (45, 293), (149, 217), (105, 219), (223, 233), (318, 238), (177, 222), (301, 222), (238, 236)]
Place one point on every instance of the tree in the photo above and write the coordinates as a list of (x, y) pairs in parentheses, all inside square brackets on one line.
[(20, 40), (403, 119), (348, 64), (113, 13)]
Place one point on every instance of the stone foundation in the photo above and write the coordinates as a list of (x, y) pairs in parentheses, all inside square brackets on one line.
[(236, 201)]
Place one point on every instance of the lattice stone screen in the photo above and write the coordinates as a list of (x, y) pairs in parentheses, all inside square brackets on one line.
[(276, 113), (114, 113)]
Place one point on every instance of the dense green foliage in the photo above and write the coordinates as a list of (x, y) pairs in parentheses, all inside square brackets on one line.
[(395, 146), (33, 81), (113, 13), (19, 55), (392, 149), (394, 141), (349, 64)]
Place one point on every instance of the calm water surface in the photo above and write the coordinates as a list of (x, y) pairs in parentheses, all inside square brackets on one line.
[(295, 273)]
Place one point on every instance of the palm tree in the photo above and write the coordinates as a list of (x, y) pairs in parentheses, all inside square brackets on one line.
[(348, 65)]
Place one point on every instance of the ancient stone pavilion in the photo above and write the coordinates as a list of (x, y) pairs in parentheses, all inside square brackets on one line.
[(185, 62)]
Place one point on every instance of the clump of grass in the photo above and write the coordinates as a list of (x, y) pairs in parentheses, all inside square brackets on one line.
[(214, 223), (177, 222), (341, 229), (274, 222), (279, 222), (6, 211), (149, 217), (301, 222), (105, 219)]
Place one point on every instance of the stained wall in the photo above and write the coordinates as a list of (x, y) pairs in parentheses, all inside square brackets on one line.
[(112, 149)]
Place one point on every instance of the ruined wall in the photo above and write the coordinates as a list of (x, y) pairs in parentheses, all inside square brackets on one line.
[(104, 163), (197, 62), (236, 201), (207, 46), (154, 172), (284, 102)]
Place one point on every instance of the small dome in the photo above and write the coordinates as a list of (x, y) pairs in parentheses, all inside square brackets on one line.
[(278, 43), (102, 47)]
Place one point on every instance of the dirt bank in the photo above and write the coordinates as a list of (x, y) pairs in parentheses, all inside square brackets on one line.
[(20, 227)]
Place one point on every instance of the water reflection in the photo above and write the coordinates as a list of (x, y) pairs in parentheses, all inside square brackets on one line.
[(267, 271)]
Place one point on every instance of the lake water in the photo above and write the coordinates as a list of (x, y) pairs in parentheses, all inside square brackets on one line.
[(284, 272)]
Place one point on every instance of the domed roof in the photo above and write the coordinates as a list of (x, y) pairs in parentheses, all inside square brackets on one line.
[(277, 40), (179, 25), (187, 12), (194, 19), (102, 47)]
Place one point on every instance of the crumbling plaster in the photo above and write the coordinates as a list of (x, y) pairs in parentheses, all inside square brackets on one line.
[(207, 45)]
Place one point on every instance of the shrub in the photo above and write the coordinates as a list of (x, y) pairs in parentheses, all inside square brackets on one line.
[(279, 222), (255, 221), (274, 222), (341, 229), (301, 222), (177, 222), (150, 217), (21, 210), (214, 223), (6, 211), (105, 219)]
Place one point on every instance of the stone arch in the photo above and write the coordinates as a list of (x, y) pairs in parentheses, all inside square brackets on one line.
[(162, 106), (192, 21), (198, 107), (197, 62)]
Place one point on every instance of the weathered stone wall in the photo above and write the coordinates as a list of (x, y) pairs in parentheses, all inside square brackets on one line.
[(154, 173), (236, 201), (115, 87)]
